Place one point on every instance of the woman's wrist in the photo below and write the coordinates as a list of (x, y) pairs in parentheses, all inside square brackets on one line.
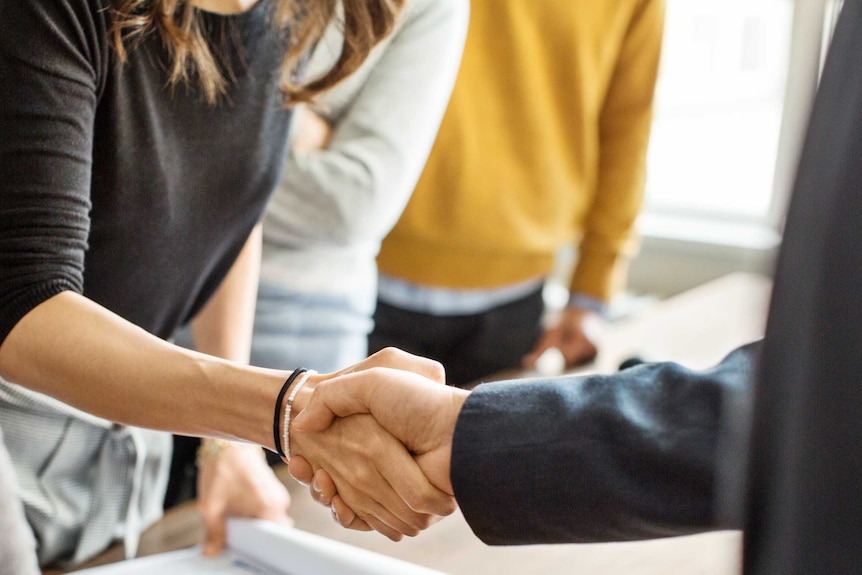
[(297, 396), (303, 396)]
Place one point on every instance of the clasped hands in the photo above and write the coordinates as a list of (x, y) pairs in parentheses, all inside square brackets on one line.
[(374, 442)]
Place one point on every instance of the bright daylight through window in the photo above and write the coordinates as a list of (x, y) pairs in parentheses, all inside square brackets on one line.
[(719, 107)]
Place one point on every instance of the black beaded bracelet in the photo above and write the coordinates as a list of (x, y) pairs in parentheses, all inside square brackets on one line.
[(276, 433)]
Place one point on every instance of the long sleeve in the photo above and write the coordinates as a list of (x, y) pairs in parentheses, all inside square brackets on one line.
[(630, 455), (50, 68), (385, 120), (97, 189), (624, 127)]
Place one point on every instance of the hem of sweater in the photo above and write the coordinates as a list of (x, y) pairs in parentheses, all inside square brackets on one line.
[(431, 266)]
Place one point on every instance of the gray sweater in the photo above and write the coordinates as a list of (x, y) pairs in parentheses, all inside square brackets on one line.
[(324, 224)]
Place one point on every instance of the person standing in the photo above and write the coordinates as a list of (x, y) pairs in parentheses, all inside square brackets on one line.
[(543, 145), (354, 159)]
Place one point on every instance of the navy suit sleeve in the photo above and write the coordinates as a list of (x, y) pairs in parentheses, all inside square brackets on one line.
[(626, 456)]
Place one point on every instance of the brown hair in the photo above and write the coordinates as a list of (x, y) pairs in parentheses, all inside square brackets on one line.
[(364, 24)]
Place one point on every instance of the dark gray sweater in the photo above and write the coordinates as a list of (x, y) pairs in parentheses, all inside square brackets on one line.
[(114, 185)]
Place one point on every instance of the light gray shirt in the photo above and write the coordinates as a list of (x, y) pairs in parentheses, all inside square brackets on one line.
[(324, 225), (17, 545)]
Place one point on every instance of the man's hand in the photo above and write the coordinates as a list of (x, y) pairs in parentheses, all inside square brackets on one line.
[(376, 474), (235, 480), (418, 412), (575, 332)]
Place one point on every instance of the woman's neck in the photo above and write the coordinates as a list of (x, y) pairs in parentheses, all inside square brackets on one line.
[(224, 6)]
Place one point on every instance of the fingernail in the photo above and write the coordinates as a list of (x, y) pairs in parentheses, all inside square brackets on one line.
[(315, 486), (335, 514)]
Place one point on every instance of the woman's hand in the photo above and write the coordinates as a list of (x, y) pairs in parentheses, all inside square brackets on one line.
[(234, 479), (376, 476)]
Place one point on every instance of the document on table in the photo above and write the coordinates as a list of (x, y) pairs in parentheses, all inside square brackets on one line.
[(265, 548), (186, 562)]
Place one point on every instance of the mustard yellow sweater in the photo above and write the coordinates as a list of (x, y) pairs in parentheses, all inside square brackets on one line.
[(543, 143)]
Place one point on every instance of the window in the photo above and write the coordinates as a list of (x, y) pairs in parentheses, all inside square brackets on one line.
[(735, 86)]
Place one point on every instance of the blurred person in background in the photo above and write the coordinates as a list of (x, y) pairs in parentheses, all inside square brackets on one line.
[(354, 159), (543, 146)]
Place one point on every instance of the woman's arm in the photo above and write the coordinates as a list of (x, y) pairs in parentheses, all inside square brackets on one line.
[(54, 339), (624, 128), (72, 349), (224, 325)]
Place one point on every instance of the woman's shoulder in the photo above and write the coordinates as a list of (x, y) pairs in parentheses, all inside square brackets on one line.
[(87, 16), (70, 38)]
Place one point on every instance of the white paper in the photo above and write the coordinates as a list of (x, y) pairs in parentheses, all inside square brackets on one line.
[(185, 562), (295, 552), (265, 548)]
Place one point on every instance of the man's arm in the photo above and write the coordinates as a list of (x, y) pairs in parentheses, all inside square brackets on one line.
[(624, 128), (606, 244), (631, 455)]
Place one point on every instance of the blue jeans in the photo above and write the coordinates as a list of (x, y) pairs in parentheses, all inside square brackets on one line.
[(325, 332)]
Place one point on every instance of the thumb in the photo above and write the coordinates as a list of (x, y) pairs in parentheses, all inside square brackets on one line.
[(316, 416), (338, 397)]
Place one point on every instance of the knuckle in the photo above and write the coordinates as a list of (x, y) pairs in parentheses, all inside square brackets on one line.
[(393, 354), (415, 500), (449, 506), (436, 371), (364, 479), (323, 387), (424, 521)]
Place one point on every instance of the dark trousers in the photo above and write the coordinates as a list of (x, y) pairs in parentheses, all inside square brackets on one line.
[(470, 347), (182, 482)]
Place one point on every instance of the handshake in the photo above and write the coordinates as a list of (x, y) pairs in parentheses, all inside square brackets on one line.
[(374, 442)]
